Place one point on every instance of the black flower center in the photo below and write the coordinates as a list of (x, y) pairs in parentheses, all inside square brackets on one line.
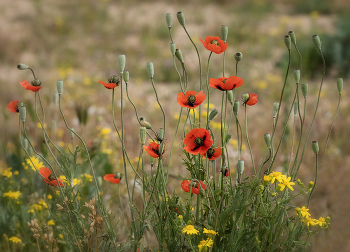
[(50, 177), (114, 79), (194, 184), (210, 152), (199, 141), (214, 42), (191, 100)]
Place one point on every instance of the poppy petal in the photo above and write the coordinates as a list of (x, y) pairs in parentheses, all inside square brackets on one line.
[(108, 85), (253, 99), (111, 178), (13, 106), (27, 86)]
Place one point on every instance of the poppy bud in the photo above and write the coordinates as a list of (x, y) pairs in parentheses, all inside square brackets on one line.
[(172, 48), (311, 184), (25, 143), (287, 41), (161, 133), (275, 107), (145, 124), (59, 85), (340, 85), (267, 138), (238, 56), (297, 75), (151, 159), (304, 89), (292, 37), (169, 19), (240, 166), (202, 192), (99, 181), (227, 138), (179, 56), (236, 107), (212, 114), (36, 82), (317, 41), (21, 66), (296, 108), (315, 147), (142, 135), (71, 133), (181, 18), (22, 112), (224, 32), (150, 69), (230, 96), (118, 175), (126, 76), (121, 63)]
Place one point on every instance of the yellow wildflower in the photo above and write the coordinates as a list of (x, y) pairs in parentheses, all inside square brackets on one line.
[(87, 176), (189, 229), (76, 181), (267, 178), (12, 195), (57, 192), (16, 173), (15, 239), (39, 125), (286, 183), (206, 231), (31, 210), (43, 203), (7, 173), (49, 196), (180, 216), (276, 176), (34, 163), (303, 212), (321, 221), (37, 207), (64, 179), (51, 223), (205, 243), (309, 221), (60, 236)]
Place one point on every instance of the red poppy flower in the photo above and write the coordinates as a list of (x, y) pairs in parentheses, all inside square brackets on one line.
[(213, 153), (112, 178), (253, 99), (197, 141), (226, 172), (190, 99), (49, 179), (108, 85), (13, 106), (30, 87), (214, 44), (192, 187), (224, 83), (153, 149)]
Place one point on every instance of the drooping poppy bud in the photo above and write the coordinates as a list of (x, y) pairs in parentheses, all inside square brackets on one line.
[(296, 108), (317, 41), (21, 66), (287, 41), (212, 114), (240, 166), (126, 76), (71, 133), (340, 85), (22, 111), (142, 135), (304, 89), (315, 147), (172, 48), (267, 138), (181, 18), (297, 75), (292, 37), (179, 56), (169, 19), (145, 123), (236, 107), (275, 107), (230, 96)]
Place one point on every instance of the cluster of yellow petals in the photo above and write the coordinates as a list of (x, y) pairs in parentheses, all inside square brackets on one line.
[(34, 163), (205, 243), (282, 179), (206, 231), (15, 239), (189, 229), (7, 173), (12, 195), (306, 218)]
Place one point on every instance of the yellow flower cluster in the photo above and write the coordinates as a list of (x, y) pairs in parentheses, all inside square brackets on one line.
[(51, 223), (12, 195), (87, 176), (15, 239), (38, 207), (205, 243), (282, 179), (7, 173), (189, 229), (306, 218), (33, 162)]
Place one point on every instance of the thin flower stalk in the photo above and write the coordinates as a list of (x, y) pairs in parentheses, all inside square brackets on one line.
[(312, 190), (246, 132), (208, 101)]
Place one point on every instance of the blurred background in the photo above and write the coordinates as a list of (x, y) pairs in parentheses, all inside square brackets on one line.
[(79, 41)]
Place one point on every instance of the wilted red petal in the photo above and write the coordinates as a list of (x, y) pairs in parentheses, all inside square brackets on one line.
[(217, 153), (13, 106), (111, 178), (253, 99), (185, 185), (153, 149), (108, 85), (27, 86), (46, 172)]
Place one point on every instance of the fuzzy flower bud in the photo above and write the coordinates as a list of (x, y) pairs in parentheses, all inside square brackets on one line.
[(317, 41), (275, 107), (169, 19), (59, 85), (121, 63), (22, 111), (145, 123), (240, 166), (224, 32), (230, 96), (340, 85), (315, 147), (212, 114), (297, 75), (179, 56), (287, 41), (21, 66), (126, 76), (150, 69), (304, 89), (267, 138), (142, 135), (236, 107), (300, 183), (292, 37), (296, 108), (172, 48), (181, 18), (238, 56)]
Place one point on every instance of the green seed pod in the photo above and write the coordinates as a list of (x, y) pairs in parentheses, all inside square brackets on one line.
[(169, 19), (296, 108), (145, 123), (267, 138), (317, 41), (36, 82), (240, 166), (179, 56), (227, 138), (118, 175), (181, 18), (290, 226), (236, 107), (224, 32), (315, 147), (21, 66), (300, 183), (238, 56), (161, 133), (275, 107), (287, 41), (189, 222), (25, 143), (297, 75), (304, 89), (292, 37), (71, 133), (340, 85), (143, 135), (150, 69), (230, 96), (126, 76), (121, 63), (59, 85), (212, 114), (22, 112), (328, 219), (172, 48), (245, 97), (99, 181)]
